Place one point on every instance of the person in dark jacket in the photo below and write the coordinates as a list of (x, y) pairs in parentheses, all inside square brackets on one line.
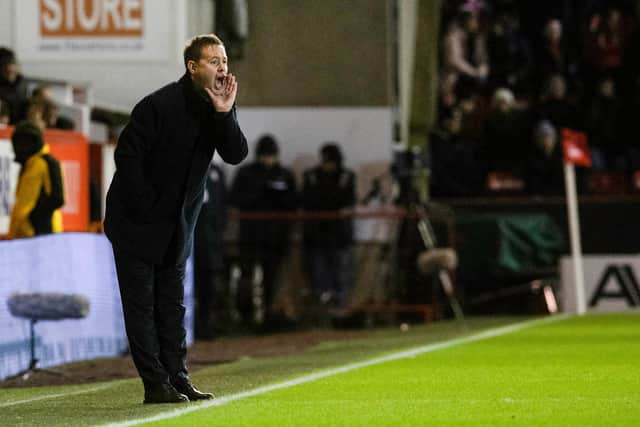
[(263, 186), (162, 159), (545, 175), (13, 86), (212, 311), (509, 53), (503, 130), (458, 166), (556, 107), (328, 243), (607, 143)]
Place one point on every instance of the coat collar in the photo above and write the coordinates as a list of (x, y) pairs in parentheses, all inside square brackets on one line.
[(195, 101)]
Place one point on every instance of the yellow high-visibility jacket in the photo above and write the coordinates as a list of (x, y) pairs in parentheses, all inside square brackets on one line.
[(34, 178)]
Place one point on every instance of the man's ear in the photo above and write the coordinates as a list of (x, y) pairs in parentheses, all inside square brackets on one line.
[(191, 66)]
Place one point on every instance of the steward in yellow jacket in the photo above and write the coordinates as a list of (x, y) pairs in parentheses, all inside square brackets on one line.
[(40, 191)]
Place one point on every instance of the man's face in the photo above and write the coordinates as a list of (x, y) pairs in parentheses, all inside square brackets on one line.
[(210, 70), (548, 143), (472, 23), (614, 19), (557, 88), (329, 166), (503, 106), (554, 30), (35, 114), (268, 160), (608, 88), (9, 71)]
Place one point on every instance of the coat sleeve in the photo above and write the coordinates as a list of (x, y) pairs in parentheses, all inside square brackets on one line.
[(134, 146), (230, 141)]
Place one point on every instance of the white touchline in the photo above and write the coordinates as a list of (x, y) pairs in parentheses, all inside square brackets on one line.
[(220, 401), (55, 396)]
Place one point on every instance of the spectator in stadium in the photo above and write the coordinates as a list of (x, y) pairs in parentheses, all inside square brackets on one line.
[(40, 190), (503, 135), (510, 56), (42, 94), (545, 169), (13, 87), (211, 293), (631, 59), (465, 49), (329, 187), (264, 186), (42, 112), (606, 45), (162, 159), (458, 164), (556, 107), (553, 57), (603, 126)]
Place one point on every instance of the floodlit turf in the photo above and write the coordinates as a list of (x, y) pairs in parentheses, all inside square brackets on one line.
[(122, 400), (577, 372), (580, 371)]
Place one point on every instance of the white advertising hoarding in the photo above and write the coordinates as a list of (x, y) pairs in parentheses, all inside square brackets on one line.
[(610, 283), (8, 181), (68, 263), (122, 30)]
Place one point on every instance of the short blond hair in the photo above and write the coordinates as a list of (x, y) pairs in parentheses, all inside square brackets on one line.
[(193, 47)]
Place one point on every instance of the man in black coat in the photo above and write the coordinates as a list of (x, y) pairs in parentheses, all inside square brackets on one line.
[(13, 86), (264, 186), (329, 187), (162, 159)]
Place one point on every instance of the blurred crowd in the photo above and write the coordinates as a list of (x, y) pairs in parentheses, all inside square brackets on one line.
[(19, 102), (239, 286), (515, 73)]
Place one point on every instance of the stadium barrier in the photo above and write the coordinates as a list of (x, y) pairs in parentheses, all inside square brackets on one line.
[(610, 283), (70, 263)]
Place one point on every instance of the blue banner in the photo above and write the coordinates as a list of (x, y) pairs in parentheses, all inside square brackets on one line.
[(70, 263)]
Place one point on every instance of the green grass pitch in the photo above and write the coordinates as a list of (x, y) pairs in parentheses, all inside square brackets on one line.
[(579, 371)]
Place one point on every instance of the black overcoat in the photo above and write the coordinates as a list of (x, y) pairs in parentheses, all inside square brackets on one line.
[(162, 158)]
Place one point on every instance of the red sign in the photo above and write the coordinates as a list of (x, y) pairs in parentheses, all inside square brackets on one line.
[(575, 148), (72, 151), (91, 18)]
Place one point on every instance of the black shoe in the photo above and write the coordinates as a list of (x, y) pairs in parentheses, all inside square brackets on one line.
[(163, 393), (186, 388)]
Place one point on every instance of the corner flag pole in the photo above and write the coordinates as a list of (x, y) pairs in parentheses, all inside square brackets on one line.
[(575, 151), (574, 231)]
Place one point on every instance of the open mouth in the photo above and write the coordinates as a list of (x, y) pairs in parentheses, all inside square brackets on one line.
[(219, 81)]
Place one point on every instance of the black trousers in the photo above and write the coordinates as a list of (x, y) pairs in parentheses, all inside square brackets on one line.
[(153, 305)]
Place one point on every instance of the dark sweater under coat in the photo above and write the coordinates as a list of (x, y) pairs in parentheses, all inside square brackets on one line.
[(162, 159)]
